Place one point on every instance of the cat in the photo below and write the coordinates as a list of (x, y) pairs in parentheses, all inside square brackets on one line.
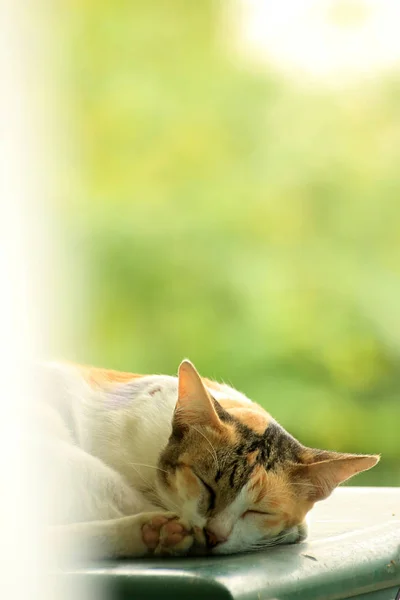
[(159, 465)]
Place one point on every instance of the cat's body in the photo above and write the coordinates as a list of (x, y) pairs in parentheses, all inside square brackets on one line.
[(139, 464)]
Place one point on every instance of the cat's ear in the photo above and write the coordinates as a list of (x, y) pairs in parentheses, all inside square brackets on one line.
[(322, 477), (194, 405)]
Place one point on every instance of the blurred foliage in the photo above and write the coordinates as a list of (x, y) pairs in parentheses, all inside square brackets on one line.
[(236, 219)]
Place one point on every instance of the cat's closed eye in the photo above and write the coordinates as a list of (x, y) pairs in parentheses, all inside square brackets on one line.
[(257, 512), (211, 492)]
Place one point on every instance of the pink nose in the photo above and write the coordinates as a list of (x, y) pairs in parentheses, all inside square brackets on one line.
[(213, 539)]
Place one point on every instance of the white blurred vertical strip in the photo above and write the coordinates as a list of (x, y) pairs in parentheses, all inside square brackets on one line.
[(26, 185)]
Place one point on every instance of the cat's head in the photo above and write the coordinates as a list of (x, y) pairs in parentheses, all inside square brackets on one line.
[(230, 468)]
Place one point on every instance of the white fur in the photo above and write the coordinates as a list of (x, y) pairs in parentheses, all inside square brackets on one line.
[(94, 459)]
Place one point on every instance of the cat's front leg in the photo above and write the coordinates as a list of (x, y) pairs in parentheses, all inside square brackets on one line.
[(154, 533)]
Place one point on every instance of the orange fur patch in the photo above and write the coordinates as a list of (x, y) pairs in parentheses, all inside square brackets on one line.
[(255, 419), (272, 522), (252, 457), (271, 492), (227, 403), (98, 377), (229, 435), (192, 485)]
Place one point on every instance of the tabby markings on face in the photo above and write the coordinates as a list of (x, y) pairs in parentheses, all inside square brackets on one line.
[(236, 472)]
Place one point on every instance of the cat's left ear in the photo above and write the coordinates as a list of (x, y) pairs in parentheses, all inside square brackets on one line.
[(194, 405), (322, 477)]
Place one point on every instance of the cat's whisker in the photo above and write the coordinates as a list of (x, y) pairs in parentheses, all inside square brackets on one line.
[(152, 488), (174, 506), (149, 484), (149, 466), (262, 545), (140, 475), (281, 538), (213, 453), (305, 484), (269, 543)]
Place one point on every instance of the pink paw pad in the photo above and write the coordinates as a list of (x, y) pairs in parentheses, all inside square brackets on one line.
[(165, 535), (173, 533), (151, 531)]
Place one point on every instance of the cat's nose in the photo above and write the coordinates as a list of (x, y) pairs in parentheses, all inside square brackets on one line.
[(213, 538)]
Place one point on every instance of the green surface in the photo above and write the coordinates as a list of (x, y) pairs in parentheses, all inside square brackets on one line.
[(386, 594), (353, 550)]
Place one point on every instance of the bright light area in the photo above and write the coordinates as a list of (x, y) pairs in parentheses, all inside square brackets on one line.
[(331, 41)]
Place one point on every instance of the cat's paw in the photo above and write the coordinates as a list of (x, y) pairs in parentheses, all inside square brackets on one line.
[(167, 535)]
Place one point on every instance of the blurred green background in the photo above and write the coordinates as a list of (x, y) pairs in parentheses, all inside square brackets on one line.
[(235, 217)]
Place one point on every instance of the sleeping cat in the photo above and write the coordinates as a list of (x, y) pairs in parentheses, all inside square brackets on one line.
[(141, 465)]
